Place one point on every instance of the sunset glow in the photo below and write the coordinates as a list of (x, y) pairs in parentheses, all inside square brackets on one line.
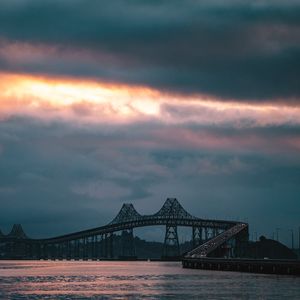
[(91, 101), (66, 97)]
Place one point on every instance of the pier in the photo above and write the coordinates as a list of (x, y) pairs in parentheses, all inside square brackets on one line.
[(263, 266)]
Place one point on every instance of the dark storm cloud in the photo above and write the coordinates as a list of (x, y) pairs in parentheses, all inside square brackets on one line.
[(58, 177), (229, 49)]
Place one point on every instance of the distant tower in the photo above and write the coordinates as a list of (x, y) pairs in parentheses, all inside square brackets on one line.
[(171, 210)]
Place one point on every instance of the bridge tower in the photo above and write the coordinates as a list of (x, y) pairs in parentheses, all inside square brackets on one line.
[(127, 214), (17, 248), (171, 244), (171, 211)]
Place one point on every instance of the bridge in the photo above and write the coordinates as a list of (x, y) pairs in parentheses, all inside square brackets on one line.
[(98, 243)]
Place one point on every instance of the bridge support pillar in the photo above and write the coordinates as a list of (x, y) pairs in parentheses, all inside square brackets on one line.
[(111, 245), (171, 244), (105, 245), (95, 247), (197, 236), (128, 246), (101, 246), (206, 233), (108, 245), (76, 249)]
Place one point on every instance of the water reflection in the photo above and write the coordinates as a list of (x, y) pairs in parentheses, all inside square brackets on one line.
[(135, 280)]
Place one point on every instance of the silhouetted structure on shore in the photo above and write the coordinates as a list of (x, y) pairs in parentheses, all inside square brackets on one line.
[(268, 248)]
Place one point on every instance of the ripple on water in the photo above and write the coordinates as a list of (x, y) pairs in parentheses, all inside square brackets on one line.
[(136, 280)]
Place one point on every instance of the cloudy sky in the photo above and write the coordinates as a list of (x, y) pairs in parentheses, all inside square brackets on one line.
[(105, 102)]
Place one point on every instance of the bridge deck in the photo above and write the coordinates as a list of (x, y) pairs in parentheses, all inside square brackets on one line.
[(206, 248), (171, 213)]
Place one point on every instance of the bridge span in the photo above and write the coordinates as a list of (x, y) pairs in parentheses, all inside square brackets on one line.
[(98, 243)]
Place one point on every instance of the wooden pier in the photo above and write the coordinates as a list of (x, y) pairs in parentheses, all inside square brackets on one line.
[(263, 266)]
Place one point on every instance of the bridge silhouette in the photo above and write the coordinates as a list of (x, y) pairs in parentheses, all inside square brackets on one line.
[(208, 236)]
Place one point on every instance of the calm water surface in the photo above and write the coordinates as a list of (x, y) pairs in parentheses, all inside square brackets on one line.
[(135, 280)]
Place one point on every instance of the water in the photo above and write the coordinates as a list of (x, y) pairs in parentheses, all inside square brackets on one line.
[(136, 280)]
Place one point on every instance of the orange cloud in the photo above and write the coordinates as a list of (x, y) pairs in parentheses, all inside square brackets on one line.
[(97, 102), (67, 98)]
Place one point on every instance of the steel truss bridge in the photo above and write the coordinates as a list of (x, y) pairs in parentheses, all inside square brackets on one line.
[(208, 236)]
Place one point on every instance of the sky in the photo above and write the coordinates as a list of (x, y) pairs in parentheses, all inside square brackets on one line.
[(106, 102)]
